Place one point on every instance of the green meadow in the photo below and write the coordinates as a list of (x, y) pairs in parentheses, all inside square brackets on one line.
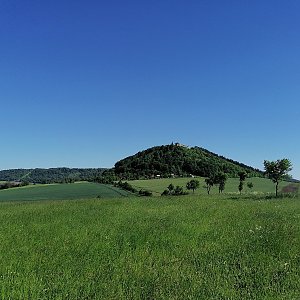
[(260, 185), (189, 247)]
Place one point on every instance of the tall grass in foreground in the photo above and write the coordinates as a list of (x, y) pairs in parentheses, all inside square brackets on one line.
[(188, 247)]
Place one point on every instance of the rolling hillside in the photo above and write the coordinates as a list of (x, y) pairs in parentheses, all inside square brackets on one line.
[(81, 190)]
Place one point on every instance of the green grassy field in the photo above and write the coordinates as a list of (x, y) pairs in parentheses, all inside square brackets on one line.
[(157, 186), (81, 190), (86, 190), (189, 247)]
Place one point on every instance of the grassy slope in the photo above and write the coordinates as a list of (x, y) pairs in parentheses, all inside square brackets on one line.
[(157, 186), (61, 191), (150, 248)]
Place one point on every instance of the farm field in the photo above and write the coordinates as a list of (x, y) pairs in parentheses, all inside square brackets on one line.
[(80, 190), (189, 247), (157, 186)]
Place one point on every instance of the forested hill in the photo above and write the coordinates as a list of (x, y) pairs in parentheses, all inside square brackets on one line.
[(60, 175), (179, 160)]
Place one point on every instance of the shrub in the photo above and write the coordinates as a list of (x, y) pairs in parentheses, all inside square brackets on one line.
[(145, 193)]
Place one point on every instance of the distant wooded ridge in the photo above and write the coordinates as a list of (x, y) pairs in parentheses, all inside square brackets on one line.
[(51, 175)]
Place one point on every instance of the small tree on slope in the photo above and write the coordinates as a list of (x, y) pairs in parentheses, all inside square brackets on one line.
[(276, 170), (192, 185), (242, 176), (220, 179), (209, 184)]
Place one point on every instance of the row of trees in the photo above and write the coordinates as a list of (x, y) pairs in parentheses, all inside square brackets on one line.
[(274, 170), (128, 187), (219, 179), (194, 184)]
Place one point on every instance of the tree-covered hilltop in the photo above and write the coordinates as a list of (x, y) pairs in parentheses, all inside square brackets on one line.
[(179, 160), (52, 175)]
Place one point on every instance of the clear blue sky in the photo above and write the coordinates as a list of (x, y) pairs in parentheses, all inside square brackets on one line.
[(86, 83)]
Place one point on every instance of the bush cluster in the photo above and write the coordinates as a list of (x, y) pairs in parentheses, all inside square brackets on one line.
[(8, 184), (174, 191), (128, 187)]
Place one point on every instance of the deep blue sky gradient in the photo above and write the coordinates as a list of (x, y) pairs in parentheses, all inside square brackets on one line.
[(86, 83)]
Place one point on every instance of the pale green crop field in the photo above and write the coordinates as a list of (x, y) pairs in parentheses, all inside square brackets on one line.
[(80, 190)]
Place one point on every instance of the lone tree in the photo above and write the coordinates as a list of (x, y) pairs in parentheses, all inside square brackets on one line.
[(209, 183), (277, 170), (220, 179), (242, 176), (192, 185)]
